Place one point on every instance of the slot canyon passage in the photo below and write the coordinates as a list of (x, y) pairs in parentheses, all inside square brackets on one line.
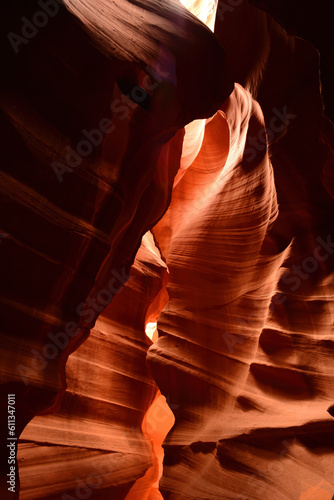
[(167, 250)]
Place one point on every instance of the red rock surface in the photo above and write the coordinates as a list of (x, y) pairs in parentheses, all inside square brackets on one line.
[(200, 205)]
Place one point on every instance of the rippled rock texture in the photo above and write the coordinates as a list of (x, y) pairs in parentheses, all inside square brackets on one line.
[(167, 169)]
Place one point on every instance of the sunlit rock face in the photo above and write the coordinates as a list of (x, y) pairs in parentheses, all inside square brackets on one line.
[(167, 251)]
